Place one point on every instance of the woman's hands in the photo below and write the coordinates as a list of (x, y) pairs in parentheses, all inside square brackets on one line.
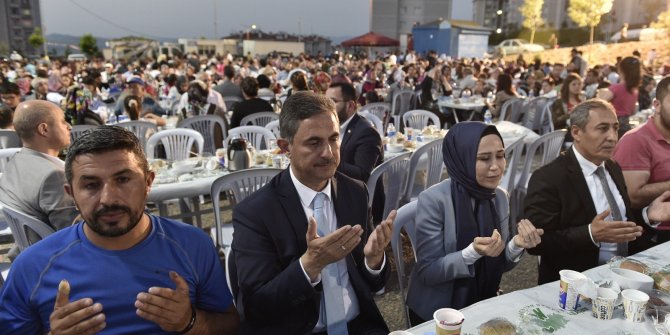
[(527, 235)]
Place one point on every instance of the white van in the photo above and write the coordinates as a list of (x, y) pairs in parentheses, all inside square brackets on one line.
[(76, 57)]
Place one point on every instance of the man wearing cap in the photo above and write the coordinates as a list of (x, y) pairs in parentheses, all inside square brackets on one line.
[(135, 86)]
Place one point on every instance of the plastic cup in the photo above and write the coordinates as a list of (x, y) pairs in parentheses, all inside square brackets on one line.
[(448, 321), (603, 306), (568, 297), (400, 332), (634, 304)]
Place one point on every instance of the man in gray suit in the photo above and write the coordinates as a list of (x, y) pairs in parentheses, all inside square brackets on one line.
[(33, 179)]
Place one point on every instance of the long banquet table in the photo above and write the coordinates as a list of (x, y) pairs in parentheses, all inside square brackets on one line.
[(524, 308)]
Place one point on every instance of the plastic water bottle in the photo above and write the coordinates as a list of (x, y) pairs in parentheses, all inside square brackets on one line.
[(488, 117), (390, 130)]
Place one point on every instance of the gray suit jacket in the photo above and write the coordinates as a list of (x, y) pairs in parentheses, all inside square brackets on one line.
[(33, 184), (439, 262)]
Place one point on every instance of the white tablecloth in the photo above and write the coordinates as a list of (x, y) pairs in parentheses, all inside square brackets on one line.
[(512, 132), (465, 103), (521, 307)]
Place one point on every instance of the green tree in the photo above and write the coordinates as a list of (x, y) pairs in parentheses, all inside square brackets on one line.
[(663, 22), (36, 39), (588, 13), (532, 13), (88, 45)]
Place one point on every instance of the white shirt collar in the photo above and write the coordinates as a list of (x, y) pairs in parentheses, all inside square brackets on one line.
[(305, 193), (588, 168)]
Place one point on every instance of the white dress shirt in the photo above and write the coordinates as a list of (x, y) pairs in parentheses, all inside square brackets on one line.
[(306, 194), (607, 250)]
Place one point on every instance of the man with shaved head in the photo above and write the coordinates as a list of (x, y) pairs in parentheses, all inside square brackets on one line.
[(33, 179)]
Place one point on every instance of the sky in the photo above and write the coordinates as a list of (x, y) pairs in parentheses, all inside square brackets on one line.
[(196, 18)]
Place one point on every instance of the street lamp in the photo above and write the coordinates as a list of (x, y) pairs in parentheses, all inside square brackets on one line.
[(499, 12), (498, 31), (252, 27)]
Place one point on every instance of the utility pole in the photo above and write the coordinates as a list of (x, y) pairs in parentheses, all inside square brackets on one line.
[(216, 27)]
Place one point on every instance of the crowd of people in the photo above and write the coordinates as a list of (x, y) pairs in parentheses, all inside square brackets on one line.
[(310, 261)]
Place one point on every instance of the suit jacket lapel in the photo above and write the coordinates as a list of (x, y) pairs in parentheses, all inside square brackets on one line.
[(350, 128), (579, 183), (290, 202)]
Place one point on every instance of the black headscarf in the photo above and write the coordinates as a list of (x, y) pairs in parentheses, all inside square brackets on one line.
[(459, 151)]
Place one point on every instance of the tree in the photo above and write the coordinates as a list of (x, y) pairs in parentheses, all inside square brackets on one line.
[(663, 22), (88, 45), (36, 40), (532, 13), (588, 13)]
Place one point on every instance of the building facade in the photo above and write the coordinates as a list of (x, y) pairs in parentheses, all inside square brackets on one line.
[(555, 13), (396, 18), (18, 20)]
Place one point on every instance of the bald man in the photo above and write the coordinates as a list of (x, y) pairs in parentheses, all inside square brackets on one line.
[(33, 179)]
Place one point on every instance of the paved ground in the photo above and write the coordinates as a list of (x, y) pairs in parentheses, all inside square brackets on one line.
[(524, 275)]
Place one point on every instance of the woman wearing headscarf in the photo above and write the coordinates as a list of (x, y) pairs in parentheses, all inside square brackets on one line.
[(464, 240), (132, 106)]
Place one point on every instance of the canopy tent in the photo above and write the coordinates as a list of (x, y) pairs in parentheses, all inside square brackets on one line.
[(371, 40)]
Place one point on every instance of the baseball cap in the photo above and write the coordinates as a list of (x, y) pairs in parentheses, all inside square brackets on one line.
[(135, 80)]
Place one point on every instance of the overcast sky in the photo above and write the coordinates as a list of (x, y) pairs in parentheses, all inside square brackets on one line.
[(195, 18)]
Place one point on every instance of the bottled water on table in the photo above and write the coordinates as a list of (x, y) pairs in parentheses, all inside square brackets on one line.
[(488, 117), (390, 130)]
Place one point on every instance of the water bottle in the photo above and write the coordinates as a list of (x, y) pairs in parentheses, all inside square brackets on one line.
[(488, 117), (390, 130)]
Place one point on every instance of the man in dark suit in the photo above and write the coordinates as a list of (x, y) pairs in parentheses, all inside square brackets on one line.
[(282, 264), (580, 199), (361, 146)]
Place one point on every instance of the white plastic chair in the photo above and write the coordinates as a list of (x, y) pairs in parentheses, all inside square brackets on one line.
[(428, 157), (273, 126), (259, 119), (240, 184), (404, 220), (537, 115), (142, 129), (394, 175), (9, 139), (551, 145), (258, 136), (231, 273), (6, 155), (511, 176), (401, 102), (230, 101), (513, 107), (178, 143), (20, 223), (419, 119), (206, 125), (382, 110), (78, 130), (375, 121)]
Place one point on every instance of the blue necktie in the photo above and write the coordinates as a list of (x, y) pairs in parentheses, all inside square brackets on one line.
[(332, 302)]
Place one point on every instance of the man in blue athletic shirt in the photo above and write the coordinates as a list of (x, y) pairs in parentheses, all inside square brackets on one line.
[(120, 270)]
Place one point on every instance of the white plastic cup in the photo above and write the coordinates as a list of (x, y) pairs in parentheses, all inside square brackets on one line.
[(568, 297), (634, 304), (448, 321), (603, 306)]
